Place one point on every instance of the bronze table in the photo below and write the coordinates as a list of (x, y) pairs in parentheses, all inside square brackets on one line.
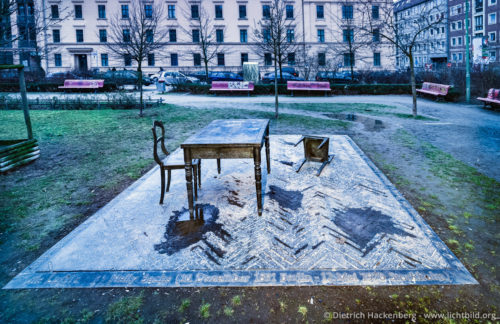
[(228, 139)]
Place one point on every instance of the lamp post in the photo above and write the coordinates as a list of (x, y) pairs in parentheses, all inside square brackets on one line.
[(467, 53)]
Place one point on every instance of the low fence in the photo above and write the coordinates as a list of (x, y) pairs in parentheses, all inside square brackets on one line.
[(55, 103)]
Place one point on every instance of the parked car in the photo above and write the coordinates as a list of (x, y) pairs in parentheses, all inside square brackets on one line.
[(126, 77), (269, 78), (336, 77), (176, 78), (200, 75), (290, 70), (224, 76)]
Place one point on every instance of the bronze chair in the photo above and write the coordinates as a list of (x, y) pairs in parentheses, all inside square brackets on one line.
[(172, 161)]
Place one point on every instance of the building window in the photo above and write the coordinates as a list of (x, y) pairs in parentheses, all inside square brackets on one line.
[(126, 35), (219, 35), (104, 60), (347, 12), (149, 35), (493, 2), (290, 35), (291, 58), (171, 11), (101, 10), (243, 36), (320, 12), (375, 12), (493, 56), (78, 12), (151, 59), (244, 58), (289, 11), (125, 14), (348, 35), (492, 18), (56, 36), (321, 59), (197, 59), (266, 33), (220, 59), (459, 39), (127, 59), (376, 35), (349, 59), (266, 11), (195, 12), (79, 35), (196, 35), (174, 59), (460, 57), (376, 59), (54, 11), (172, 35), (459, 25), (148, 11), (492, 37), (218, 12), (268, 59), (57, 60), (103, 35), (453, 41), (479, 22), (321, 35), (242, 10)]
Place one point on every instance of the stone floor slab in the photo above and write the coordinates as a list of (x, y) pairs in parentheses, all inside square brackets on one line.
[(349, 226)]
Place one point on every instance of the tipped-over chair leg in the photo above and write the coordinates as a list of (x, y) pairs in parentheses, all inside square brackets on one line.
[(218, 166), (169, 178), (162, 172)]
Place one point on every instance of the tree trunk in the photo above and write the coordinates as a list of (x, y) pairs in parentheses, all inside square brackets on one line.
[(24, 99), (275, 87), (139, 69), (206, 70), (413, 86)]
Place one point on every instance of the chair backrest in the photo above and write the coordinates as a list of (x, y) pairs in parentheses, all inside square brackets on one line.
[(159, 139)]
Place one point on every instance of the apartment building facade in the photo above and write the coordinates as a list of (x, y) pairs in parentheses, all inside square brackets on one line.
[(430, 49), (77, 31), (483, 24)]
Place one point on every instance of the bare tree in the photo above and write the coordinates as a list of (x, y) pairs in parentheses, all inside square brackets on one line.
[(141, 34), (271, 36), (204, 35), (349, 37), (403, 33)]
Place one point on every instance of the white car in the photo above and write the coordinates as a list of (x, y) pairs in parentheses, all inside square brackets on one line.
[(176, 78)]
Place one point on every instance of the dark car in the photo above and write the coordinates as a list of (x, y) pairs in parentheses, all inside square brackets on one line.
[(290, 70), (126, 77), (200, 75), (336, 77), (269, 78), (224, 76), (61, 76)]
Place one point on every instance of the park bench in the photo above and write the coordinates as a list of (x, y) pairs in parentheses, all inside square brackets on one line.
[(233, 86), (440, 91), (308, 86), (493, 98), (82, 84)]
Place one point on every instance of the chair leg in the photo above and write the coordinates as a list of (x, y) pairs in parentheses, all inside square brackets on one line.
[(218, 166), (199, 173), (169, 178), (195, 172), (162, 185)]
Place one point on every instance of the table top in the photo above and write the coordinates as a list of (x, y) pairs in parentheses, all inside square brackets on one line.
[(230, 132)]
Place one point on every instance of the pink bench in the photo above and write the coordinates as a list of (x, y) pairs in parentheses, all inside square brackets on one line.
[(308, 86), (493, 98), (435, 89), (82, 84), (232, 86)]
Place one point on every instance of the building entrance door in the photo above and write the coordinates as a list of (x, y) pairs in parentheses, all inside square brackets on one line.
[(82, 62)]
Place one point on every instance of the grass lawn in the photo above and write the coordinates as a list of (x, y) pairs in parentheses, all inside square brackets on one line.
[(90, 156)]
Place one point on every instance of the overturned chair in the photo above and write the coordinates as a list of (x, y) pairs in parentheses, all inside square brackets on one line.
[(315, 150), (172, 161)]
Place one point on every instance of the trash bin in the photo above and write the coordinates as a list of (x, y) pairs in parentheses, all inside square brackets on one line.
[(160, 86)]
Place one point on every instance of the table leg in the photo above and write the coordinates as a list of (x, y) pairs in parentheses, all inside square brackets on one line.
[(189, 180), (268, 155), (258, 178)]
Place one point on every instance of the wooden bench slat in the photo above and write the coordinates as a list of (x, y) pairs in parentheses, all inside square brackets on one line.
[(232, 86), (308, 85)]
